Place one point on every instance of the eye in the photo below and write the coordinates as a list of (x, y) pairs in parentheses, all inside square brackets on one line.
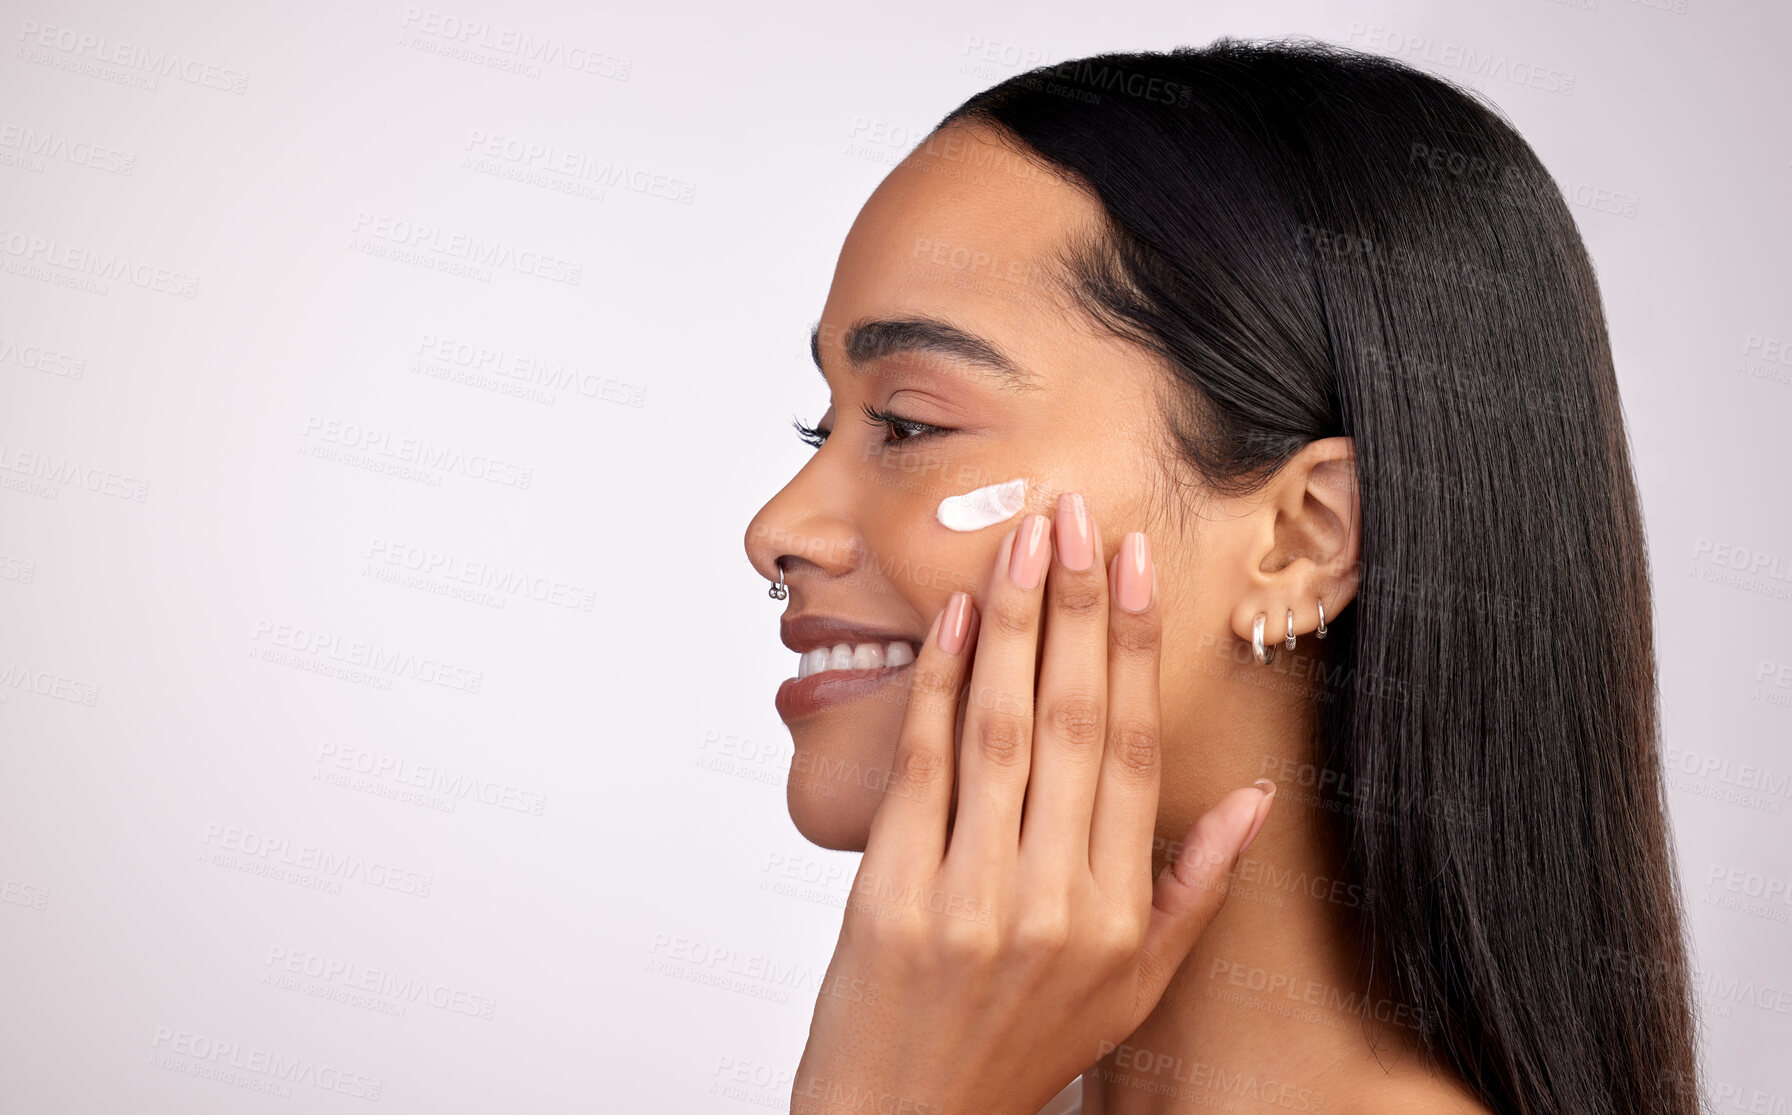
[(895, 424), (910, 430)]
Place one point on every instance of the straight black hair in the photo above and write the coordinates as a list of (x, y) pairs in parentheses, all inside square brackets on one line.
[(1321, 242)]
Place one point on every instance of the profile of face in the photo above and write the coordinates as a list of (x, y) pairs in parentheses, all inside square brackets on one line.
[(955, 360)]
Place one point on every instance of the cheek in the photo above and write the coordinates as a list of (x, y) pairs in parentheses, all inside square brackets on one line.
[(913, 552)]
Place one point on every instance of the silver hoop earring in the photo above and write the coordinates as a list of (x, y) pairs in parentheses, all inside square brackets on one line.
[(1265, 655), (778, 591), (1290, 641), (1321, 632)]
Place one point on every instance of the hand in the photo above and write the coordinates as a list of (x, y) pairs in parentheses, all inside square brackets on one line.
[(988, 956)]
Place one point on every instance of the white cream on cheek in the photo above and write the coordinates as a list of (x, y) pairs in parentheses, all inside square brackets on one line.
[(983, 507)]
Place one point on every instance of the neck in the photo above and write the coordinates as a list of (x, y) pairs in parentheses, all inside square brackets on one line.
[(1270, 1012)]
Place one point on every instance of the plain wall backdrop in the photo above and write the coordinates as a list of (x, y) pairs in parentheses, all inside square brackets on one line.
[(385, 697)]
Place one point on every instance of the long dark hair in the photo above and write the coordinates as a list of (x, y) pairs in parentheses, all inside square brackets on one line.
[(1321, 242)]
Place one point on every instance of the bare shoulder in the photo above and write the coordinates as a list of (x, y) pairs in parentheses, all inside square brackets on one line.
[(1411, 1094)]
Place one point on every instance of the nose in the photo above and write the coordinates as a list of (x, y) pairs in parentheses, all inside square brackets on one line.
[(812, 535)]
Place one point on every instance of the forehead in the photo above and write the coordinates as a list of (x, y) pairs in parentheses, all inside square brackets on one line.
[(966, 229)]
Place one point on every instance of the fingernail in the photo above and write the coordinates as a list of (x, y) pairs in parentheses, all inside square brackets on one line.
[(1269, 791), (1137, 579), (1027, 564), (1076, 545), (956, 623)]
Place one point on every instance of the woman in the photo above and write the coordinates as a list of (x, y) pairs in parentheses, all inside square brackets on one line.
[(1308, 343)]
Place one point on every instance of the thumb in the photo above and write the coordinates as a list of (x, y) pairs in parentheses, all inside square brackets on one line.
[(1192, 888)]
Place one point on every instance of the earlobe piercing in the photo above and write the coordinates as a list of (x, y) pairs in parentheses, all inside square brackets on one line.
[(778, 591), (1265, 655)]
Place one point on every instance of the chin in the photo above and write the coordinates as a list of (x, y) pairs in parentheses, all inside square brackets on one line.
[(835, 788)]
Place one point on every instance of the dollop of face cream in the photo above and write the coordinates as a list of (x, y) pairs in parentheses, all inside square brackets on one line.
[(984, 507)]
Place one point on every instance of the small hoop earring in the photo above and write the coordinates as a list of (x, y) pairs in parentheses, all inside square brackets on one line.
[(1289, 643), (1321, 632), (1265, 655), (778, 591)]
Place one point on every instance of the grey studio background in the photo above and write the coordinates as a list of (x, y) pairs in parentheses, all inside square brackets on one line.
[(385, 698)]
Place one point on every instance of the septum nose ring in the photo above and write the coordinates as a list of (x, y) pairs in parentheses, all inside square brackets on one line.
[(779, 591)]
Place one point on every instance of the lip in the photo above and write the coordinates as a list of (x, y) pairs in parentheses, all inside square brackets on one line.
[(800, 697), (806, 632)]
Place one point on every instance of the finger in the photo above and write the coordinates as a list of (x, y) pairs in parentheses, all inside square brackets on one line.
[(1069, 730), (1125, 814), (998, 717), (1192, 888), (908, 832)]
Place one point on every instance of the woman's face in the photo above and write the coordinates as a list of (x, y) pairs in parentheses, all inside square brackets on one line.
[(962, 235)]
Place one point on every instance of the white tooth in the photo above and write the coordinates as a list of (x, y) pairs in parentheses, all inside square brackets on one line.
[(840, 658), (898, 654), (868, 656), (815, 661)]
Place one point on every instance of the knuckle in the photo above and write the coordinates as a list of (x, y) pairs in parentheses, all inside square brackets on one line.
[(1079, 601), (1010, 615), (933, 683), (1136, 633), (1125, 937), (1076, 720), (1002, 740), (961, 942), (1135, 748), (868, 930), (1042, 934), (920, 769)]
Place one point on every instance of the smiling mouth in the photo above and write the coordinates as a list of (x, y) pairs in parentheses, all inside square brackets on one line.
[(845, 657), (799, 697)]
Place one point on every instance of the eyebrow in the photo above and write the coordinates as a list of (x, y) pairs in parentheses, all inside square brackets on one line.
[(875, 338)]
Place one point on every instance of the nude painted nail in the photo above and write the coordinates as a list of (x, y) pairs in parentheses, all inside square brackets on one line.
[(1076, 546), (1027, 564), (956, 624), (1136, 578)]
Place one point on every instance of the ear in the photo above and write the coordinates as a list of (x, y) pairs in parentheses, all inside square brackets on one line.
[(1303, 546)]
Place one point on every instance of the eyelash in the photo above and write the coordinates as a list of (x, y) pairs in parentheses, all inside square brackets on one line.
[(814, 436)]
